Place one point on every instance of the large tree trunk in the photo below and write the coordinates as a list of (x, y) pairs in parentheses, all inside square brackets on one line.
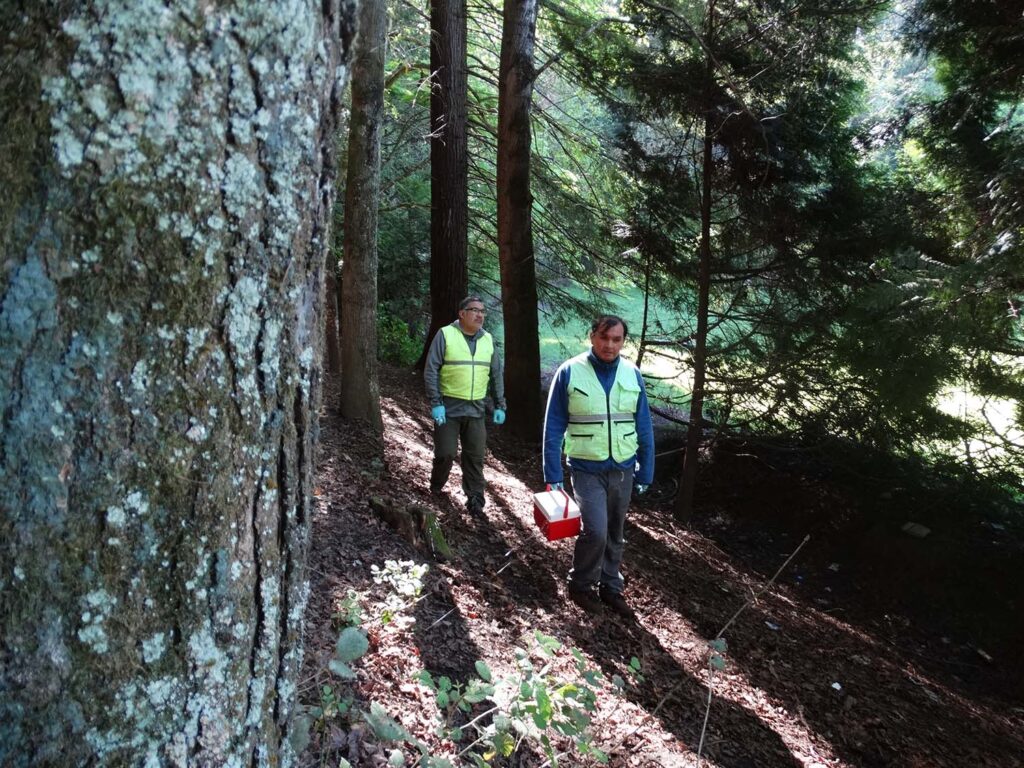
[(515, 220), (691, 459), (360, 388), (449, 239), (167, 189)]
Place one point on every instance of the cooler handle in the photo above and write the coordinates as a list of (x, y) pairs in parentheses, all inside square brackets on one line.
[(565, 514)]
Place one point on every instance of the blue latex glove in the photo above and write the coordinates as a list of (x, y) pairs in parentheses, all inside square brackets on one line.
[(438, 413), (554, 486), (499, 416), (641, 489)]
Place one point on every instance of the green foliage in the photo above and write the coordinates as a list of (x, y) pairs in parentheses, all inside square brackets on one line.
[(717, 647), (865, 261), (384, 727), (405, 580), (782, 164), (350, 612), (300, 734), (331, 704), (531, 705), (351, 645), (867, 228), (403, 241), (574, 180), (394, 342), (935, 312)]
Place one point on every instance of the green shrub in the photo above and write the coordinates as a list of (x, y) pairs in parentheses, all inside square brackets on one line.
[(395, 343), (489, 716)]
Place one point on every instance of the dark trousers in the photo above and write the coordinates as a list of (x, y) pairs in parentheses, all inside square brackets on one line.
[(604, 500), (472, 433)]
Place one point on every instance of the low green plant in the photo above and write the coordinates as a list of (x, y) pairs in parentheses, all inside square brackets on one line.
[(405, 578), (331, 705), (531, 705), (350, 612), (351, 646)]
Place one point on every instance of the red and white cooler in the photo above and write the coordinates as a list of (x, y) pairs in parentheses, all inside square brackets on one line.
[(557, 514)]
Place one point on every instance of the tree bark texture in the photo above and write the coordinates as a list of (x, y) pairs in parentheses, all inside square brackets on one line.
[(449, 239), (691, 458), (167, 182), (515, 220), (360, 386)]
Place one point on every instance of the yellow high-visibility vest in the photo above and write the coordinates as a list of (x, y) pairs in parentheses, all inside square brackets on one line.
[(465, 375), (601, 425)]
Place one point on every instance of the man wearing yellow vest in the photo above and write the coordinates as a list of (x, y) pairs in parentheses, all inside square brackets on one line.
[(462, 368), (598, 412)]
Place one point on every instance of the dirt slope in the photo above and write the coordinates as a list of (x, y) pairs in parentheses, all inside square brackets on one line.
[(823, 670)]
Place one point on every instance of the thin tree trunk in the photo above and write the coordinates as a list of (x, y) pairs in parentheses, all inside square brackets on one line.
[(164, 225), (449, 239), (360, 389), (642, 346), (332, 342), (691, 459), (515, 221)]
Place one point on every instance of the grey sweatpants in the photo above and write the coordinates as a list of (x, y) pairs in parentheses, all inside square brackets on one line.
[(603, 499), (472, 433)]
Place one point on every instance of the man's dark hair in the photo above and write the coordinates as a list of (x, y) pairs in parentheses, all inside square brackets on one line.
[(469, 300), (604, 322)]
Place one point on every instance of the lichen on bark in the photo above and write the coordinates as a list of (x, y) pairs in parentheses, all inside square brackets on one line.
[(162, 285)]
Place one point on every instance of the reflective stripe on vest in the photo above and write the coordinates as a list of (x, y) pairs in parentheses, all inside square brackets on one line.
[(601, 425), (464, 375)]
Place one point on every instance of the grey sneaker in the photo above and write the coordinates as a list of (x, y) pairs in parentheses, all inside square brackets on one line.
[(585, 599), (617, 603)]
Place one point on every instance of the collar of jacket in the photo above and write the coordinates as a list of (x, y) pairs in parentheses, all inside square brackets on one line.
[(600, 365)]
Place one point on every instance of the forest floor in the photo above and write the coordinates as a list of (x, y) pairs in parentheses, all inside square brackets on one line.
[(871, 648)]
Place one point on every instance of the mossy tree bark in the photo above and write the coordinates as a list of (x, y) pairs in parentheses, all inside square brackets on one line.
[(360, 386), (167, 188)]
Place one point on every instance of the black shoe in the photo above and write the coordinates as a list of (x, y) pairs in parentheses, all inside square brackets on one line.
[(585, 599), (617, 603), (439, 491), (475, 507)]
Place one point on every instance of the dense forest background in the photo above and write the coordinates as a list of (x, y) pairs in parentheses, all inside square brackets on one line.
[(809, 213), (860, 233)]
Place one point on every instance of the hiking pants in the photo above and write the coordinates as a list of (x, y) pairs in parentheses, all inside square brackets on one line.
[(472, 433), (603, 499)]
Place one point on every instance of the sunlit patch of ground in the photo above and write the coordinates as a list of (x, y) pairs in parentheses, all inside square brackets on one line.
[(775, 703)]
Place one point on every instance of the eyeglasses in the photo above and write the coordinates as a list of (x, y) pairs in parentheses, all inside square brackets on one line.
[(478, 310)]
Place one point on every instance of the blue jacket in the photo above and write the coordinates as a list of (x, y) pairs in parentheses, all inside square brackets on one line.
[(556, 419)]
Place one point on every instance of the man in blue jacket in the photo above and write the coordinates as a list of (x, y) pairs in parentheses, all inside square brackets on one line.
[(597, 408)]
